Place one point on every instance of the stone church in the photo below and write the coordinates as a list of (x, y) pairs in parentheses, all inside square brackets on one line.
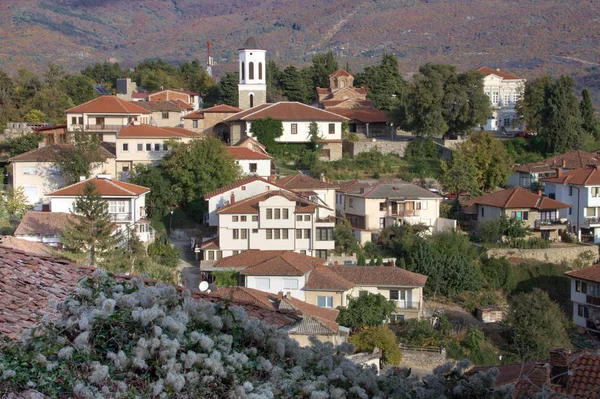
[(341, 93)]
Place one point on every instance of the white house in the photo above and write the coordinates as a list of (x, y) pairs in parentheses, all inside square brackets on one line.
[(579, 188), (504, 90), (105, 115), (273, 219), (585, 295), (320, 191), (251, 162), (37, 173), (126, 203)]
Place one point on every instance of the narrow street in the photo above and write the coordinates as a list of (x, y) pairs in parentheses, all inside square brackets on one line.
[(188, 266)]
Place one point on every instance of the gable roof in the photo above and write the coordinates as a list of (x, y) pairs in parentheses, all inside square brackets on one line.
[(42, 224), (147, 131), (246, 153), (255, 262), (517, 197), (590, 273), (158, 106), (581, 177), (108, 105), (361, 115), (253, 144), (222, 108), (104, 187), (238, 183), (300, 182), (504, 75), (48, 153), (323, 278), (250, 205), (19, 244), (570, 160), (380, 275), (385, 188), (286, 111)]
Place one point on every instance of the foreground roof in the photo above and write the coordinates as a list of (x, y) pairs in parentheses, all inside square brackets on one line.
[(504, 75), (517, 197), (42, 224), (223, 108), (104, 187), (287, 111), (301, 182), (361, 115), (147, 131), (582, 177), (324, 278), (50, 152), (255, 262), (108, 105), (591, 273), (18, 244), (385, 188), (246, 153), (380, 275), (570, 160)]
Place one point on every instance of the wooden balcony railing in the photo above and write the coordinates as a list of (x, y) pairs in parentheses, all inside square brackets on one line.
[(406, 212)]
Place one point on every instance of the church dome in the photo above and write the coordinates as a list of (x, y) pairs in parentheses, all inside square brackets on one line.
[(250, 44)]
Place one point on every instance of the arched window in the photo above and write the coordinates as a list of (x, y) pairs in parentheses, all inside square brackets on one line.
[(251, 70), (243, 69), (342, 84), (260, 71), (251, 98)]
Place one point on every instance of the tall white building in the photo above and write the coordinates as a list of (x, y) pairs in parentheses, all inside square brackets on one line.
[(504, 90), (252, 88)]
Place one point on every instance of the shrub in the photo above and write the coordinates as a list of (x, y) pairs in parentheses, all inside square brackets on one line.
[(371, 249), (368, 310), (381, 337), (361, 260), (379, 261), (164, 253), (415, 332), (474, 339), (226, 278), (498, 273)]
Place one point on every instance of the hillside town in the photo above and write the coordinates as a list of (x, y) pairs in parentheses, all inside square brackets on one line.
[(188, 241)]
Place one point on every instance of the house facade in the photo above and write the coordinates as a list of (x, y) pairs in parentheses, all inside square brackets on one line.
[(320, 191), (210, 121), (504, 90), (104, 116), (37, 173), (43, 227), (126, 203), (252, 162), (368, 122), (166, 113), (585, 295), (539, 213)]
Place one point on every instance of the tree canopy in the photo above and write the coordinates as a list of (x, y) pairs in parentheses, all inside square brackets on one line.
[(386, 86), (79, 159), (366, 310), (161, 199)]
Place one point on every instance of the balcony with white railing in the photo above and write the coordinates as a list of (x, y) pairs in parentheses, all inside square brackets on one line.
[(550, 224), (120, 217), (406, 305)]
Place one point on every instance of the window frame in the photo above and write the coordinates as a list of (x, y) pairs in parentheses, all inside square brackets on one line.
[(263, 280), (327, 301), (125, 147), (293, 286), (331, 128), (294, 128)]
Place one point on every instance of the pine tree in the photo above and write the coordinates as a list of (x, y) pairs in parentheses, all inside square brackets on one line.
[(90, 228), (590, 123), (294, 85), (229, 88)]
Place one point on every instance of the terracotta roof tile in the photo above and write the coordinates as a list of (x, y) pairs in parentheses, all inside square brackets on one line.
[(385, 188), (505, 75), (591, 273), (238, 183), (246, 153), (286, 111), (48, 153), (104, 187), (517, 197), (191, 93), (223, 108), (581, 176), (147, 131), (270, 263), (380, 275), (18, 244), (570, 160), (301, 182), (164, 106), (108, 105), (340, 72), (42, 224), (322, 278), (333, 106), (362, 115), (250, 205), (212, 243)]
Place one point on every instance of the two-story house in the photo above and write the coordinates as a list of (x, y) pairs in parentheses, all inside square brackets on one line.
[(528, 175), (252, 162), (36, 170), (144, 144), (210, 121), (191, 98), (317, 190), (104, 116), (373, 204), (539, 213), (504, 90), (579, 188), (126, 203), (166, 113), (585, 295), (273, 219)]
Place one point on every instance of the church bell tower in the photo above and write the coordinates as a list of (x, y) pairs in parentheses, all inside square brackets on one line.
[(252, 88)]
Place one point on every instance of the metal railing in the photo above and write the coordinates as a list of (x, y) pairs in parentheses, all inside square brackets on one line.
[(120, 217), (407, 306), (407, 212), (548, 223)]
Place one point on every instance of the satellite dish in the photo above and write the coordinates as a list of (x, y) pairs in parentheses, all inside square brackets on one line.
[(203, 286)]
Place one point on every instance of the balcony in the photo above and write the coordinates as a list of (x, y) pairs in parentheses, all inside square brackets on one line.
[(592, 300), (96, 128), (404, 306), (549, 224), (591, 222), (405, 212), (120, 217)]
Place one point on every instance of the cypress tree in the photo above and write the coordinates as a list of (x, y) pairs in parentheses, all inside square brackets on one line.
[(590, 123)]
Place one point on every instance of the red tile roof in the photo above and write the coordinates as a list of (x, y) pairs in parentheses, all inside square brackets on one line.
[(250, 205), (48, 153), (108, 105), (326, 317), (301, 182), (212, 243), (323, 278), (582, 177), (331, 105), (362, 115), (591, 273), (504, 75), (104, 187), (18, 244), (183, 105), (286, 111), (191, 93), (245, 153), (569, 160), (517, 197), (42, 224), (239, 183), (340, 72), (147, 131), (166, 106), (270, 263), (223, 108), (380, 275)]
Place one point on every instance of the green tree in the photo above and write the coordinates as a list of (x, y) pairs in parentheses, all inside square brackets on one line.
[(79, 88), (422, 148), (323, 65), (273, 79), (228, 86), (315, 136), (226, 278), (588, 116), (381, 337), (105, 73), (345, 241), (161, 198), (196, 78), (35, 115), (267, 131), (499, 274), (362, 261), (294, 85), (379, 261), (537, 325), (452, 242), (90, 229), (531, 105), (15, 202), (368, 310), (386, 86), (460, 174), (198, 167), (80, 158), (164, 253), (22, 143), (474, 338)]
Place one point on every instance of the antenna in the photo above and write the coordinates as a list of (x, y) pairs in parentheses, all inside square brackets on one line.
[(203, 286), (209, 61)]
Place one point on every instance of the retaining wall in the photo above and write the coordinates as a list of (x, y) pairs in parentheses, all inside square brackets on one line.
[(555, 255)]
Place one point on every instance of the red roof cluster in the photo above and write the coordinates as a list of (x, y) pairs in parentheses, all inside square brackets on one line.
[(286, 111), (108, 105), (302, 182), (104, 187), (582, 177), (223, 108), (517, 197), (591, 273)]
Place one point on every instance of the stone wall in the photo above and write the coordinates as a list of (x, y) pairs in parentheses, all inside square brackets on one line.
[(422, 362), (385, 147), (555, 255)]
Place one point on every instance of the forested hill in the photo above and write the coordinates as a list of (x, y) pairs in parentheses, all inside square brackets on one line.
[(525, 36)]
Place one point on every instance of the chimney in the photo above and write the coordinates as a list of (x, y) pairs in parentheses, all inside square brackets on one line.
[(540, 374), (81, 178), (564, 163), (540, 192), (558, 172), (559, 366), (272, 178), (288, 295), (104, 176), (232, 198)]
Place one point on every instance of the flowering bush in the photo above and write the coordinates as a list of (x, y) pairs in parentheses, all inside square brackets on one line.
[(131, 340)]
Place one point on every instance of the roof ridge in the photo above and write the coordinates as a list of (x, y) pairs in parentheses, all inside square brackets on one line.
[(89, 101), (260, 108), (110, 181), (510, 197)]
